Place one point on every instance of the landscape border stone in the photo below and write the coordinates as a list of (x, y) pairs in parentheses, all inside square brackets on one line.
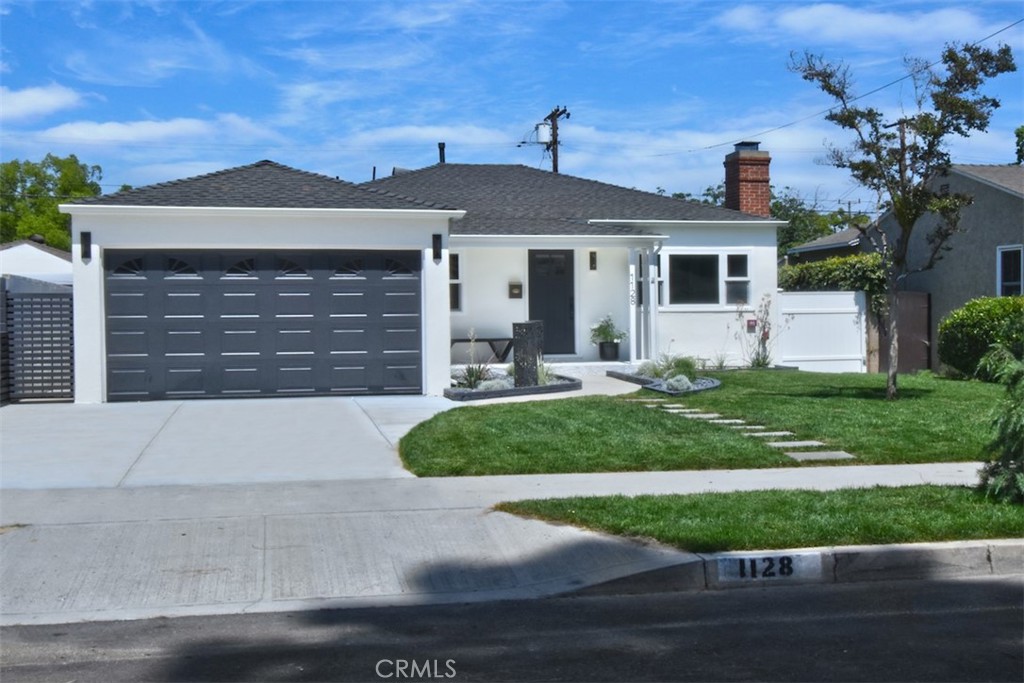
[(706, 383), (564, 384)]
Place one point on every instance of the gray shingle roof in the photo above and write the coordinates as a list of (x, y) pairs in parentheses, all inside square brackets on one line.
[(265, 184), (507, 199), (1007, 177), (848, 237)]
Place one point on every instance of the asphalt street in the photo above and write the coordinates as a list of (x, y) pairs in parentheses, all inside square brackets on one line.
[(949, 630)]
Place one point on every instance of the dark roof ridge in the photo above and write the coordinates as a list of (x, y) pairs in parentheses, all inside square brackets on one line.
[(214, 174), (405, 175)]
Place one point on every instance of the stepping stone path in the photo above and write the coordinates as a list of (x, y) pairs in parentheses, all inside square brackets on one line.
[(747, 430)]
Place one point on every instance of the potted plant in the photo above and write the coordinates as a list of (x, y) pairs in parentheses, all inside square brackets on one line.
[(607, 337)]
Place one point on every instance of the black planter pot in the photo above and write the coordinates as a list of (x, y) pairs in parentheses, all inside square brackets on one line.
[(608, 350)]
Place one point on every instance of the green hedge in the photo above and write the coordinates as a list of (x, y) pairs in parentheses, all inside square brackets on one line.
[(966, 334), (859, 272)]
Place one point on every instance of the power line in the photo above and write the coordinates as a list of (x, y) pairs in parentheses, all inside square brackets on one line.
[(826, 111)]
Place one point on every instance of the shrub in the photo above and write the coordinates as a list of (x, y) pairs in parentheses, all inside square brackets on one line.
[(966, 334), (498, 384), (1003, 477), (859, 272), (679, 383), (668, 366)]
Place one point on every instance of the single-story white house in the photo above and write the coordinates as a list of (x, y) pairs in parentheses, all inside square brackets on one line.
[(26, 258), (266, 280)]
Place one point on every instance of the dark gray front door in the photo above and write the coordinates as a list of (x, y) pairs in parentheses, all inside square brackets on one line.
[(552, 298), (184, 324)]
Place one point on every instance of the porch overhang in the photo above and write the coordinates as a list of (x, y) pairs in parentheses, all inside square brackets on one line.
[(557, 241)]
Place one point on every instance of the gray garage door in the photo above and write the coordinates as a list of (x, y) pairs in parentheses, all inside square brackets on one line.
[(183, 324)]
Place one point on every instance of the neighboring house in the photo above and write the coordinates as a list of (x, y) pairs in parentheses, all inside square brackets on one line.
[(26, 258), (843, 243), (266, 280), (986, 258)]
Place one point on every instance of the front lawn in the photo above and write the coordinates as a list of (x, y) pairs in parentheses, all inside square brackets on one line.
[(936, 420), (762, 520)]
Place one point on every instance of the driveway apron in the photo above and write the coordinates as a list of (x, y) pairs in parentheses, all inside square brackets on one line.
[(197, 443)]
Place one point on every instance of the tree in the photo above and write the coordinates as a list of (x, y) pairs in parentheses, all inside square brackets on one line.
[(804, 222), (30, 193), (898, 158), (1020, 144)]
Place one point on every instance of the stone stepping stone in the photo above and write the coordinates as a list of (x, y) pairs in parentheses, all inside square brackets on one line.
[(644, 400), (726, 422), (701, 416), (670, 409), (804, 456), (768, 434), (795, 444), (747, 427)]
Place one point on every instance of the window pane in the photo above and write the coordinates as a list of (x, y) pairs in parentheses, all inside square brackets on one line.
[(455, 296), (1010, 272), (693, 279), (453, 266), (737, 292), (737, 265)]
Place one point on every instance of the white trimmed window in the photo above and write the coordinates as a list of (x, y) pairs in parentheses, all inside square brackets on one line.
[(1010, 270), (454, 282), (706, 279)]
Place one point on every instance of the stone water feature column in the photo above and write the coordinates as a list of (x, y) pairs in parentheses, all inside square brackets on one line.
[(528, 342)]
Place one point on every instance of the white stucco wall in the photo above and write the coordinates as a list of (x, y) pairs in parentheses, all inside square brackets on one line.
[(486, 273), (714, 331), (204, 228)]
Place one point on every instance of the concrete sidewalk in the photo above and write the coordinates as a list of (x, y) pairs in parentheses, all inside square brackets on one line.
[(76, 554)]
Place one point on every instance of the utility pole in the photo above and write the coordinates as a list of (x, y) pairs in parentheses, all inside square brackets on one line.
[(556, 113)]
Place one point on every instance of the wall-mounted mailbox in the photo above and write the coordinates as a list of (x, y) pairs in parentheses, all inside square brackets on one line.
[(515, 290), (751, 326)]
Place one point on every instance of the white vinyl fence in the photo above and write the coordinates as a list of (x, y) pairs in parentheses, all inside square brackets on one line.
[(823, 331)]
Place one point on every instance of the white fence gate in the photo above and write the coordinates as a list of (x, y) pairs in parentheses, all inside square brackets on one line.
[(823, 331)]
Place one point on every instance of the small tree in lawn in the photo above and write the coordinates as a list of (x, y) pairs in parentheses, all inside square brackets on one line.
[(898, 157)]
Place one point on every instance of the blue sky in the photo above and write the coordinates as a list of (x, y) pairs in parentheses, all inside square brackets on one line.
[(658, 90)]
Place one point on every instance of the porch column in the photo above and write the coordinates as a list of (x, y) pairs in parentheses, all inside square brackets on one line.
[(633, 308), (651, 303)]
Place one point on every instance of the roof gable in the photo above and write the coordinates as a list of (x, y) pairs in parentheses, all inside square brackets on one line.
[(1009, 178), (265, 184), (511, 199)]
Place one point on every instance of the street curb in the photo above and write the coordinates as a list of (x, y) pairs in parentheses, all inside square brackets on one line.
[(840, 564)]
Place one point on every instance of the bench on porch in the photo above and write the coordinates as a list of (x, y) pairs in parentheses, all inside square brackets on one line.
[(500, 346)]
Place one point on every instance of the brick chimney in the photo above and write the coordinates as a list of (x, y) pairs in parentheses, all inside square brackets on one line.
[(747, 186)]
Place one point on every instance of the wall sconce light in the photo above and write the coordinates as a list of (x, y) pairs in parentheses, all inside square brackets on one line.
[(86, 242), (515, 290), (437, 248), (593, 260)]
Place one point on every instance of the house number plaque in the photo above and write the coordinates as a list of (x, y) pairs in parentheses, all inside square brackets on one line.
[(755, 568)]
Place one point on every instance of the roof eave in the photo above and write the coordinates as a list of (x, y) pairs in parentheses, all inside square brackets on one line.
[(142, 210)]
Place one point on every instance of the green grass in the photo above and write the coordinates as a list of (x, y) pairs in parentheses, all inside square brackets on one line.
[(936, 420), (760, 520), (588, 434)]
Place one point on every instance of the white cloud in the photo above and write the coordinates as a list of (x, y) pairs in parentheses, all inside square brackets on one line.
[(223, 129), (864, 28), (17, 105)]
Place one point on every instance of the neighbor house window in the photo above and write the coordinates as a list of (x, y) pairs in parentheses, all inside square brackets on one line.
[(1010, 271), (708, 279), (454, 283)]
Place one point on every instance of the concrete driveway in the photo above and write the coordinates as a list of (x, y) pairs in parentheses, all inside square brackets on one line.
[(207, 442)]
